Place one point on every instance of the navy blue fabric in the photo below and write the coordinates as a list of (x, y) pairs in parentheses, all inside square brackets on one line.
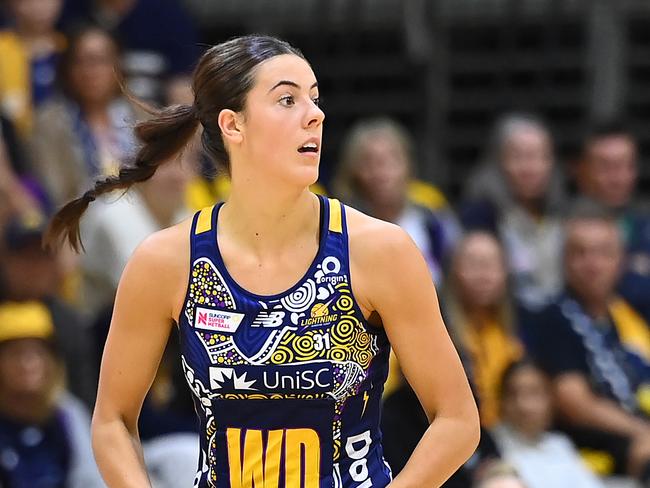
[(34, 456), (303, 361), (559, 348)]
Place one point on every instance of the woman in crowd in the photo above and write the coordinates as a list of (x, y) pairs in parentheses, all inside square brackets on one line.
[(482, 318), (86, 132), (376, 176), (517, 194)]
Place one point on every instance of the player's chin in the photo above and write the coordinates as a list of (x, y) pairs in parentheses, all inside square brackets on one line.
[(305, 174)]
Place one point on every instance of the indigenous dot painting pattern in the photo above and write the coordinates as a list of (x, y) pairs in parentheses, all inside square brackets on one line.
[(308, 351)]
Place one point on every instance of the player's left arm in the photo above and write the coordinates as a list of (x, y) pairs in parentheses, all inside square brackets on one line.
[(400, 289)]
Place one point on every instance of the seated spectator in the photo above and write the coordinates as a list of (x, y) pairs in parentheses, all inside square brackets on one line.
[(30, 50), (517, 194), (86, 132), (158, 55), (607, 173), (482, 318), (596, 348), (115, 225), (500, 475), (542, 458), (375, 173), (28, 272), (44, 432)]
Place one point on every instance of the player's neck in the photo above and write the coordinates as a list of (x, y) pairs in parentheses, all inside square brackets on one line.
[(267, 222)]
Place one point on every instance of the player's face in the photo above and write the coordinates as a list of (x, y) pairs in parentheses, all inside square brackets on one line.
[(282, 124)]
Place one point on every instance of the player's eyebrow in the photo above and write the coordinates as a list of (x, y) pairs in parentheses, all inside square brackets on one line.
[(290, 83)]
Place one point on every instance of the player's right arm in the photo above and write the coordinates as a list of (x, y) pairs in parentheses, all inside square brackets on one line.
[(148, 297)]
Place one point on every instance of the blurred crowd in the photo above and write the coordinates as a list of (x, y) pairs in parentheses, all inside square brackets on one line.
[(542, 266)]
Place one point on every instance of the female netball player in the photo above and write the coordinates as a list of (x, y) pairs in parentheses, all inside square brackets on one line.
[(285, 302)]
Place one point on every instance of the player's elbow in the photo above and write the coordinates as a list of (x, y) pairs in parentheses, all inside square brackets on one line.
[(108, 427), (467, 428), (472, 428)]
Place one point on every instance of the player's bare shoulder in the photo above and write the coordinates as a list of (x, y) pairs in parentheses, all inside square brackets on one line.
[(167, 247), (373, 241), (163, 258)]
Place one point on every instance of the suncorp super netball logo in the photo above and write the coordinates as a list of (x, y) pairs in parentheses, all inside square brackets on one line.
[(217, 320)]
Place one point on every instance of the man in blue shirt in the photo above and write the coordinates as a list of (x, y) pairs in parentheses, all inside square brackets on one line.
[(596, 348)]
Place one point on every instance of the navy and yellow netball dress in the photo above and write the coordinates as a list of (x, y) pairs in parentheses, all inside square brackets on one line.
[(287, 387)]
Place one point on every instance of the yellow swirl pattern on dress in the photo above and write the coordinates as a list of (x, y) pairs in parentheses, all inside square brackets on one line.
[(350, 342), (344, 303), (303, 346), (283, 355)]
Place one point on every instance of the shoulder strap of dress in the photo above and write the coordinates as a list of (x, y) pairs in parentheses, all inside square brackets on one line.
[(203, 222), (335, 217)]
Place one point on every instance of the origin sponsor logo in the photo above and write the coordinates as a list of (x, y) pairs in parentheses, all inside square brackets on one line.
[(332, 279), (217, 320)]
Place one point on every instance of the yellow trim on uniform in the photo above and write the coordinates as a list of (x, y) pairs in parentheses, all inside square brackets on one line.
[(336, 223), (204, 222)]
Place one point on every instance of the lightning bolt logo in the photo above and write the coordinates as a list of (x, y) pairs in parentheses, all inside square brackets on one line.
[(365, 402)]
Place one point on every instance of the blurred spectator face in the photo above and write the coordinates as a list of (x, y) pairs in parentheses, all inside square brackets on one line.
[(593, 256), (479, 270), (118, 5), (27, 270), (91, 75), (170, 179), (383, 170), (35, 15), (27, 367), (503, 482), (526, 402), (527, 161), (609, 171)]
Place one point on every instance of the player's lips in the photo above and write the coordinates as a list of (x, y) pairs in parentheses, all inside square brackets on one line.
[(310, 146)]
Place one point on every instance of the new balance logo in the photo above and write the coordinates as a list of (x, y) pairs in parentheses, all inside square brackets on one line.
[(226, 377), (268, 319)]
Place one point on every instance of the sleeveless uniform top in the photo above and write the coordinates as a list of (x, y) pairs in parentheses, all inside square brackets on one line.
[(287, 387)]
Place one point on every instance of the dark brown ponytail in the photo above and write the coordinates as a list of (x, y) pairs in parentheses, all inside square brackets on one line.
[(163, 136), (223, 77)]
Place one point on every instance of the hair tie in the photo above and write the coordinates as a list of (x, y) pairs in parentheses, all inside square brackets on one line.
[(195, 112)]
